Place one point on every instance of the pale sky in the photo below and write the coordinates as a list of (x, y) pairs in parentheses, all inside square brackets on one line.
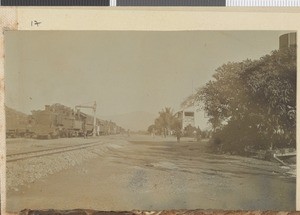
[(122, 71)]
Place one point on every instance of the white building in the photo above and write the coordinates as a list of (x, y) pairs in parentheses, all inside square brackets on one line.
[(192, 116)]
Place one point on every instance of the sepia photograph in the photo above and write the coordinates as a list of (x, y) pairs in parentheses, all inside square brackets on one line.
[(151, 120)]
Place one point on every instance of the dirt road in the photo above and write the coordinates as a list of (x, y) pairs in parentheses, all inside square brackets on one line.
[(142, 172)]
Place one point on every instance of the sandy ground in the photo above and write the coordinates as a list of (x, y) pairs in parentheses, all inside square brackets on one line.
[(141, 172)]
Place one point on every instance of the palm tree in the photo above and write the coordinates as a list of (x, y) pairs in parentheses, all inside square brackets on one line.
[(166, 121)]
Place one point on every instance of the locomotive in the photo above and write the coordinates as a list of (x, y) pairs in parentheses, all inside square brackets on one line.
[(56, 121)]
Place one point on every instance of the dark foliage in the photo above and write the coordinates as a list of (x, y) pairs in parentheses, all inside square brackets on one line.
[(253, 103)]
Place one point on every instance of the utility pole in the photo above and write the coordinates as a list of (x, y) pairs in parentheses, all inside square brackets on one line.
[(93, 107)]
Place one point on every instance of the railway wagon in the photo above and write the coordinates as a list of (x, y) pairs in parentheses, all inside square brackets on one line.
[(107, 128), (87, 123), (111, 128), (101, 127), (17, 124)]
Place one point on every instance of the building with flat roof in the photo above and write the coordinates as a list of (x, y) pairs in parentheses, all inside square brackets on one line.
[(186, 117), (192, 116)]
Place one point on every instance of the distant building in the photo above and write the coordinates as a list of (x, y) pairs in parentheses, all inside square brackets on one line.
[(186, 117), (288, 40), (193, 116)]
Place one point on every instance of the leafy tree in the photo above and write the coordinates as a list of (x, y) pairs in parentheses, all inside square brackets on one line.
[(252, 103), (151, 128), (271, 84)]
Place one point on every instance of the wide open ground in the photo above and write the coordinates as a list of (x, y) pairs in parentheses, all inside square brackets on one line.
[(142, 172)]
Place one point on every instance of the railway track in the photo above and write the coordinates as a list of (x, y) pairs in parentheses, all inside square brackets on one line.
[(49, 151)]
